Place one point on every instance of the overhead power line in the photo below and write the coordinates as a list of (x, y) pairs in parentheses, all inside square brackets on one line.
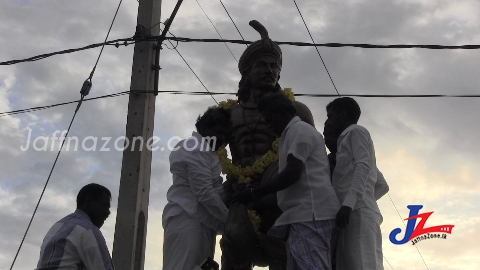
[(43, 56), (201, 93), (58, 104), (316, 48), (125, 41), (83, 92), (216, 30), (43, 190), (225, 8), (405, 225), (388, 262), (105, 41), (338, 45), (191, 69)]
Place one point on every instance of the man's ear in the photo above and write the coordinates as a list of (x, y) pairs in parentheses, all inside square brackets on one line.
[(88, 201)]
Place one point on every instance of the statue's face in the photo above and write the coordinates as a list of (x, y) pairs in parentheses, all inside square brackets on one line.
[(264, 72)]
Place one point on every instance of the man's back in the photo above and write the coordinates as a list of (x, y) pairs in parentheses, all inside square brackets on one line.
[(74, 242), (313, 194)]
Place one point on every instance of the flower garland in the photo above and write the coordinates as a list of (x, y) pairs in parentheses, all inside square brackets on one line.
[(245, 174)]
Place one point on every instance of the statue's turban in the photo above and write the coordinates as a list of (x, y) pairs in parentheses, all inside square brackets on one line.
[(264, 46)]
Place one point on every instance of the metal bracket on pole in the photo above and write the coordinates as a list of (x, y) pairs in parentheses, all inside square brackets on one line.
[(160, 40)]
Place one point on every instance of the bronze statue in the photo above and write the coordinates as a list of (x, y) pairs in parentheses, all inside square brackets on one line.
[(251, 137)]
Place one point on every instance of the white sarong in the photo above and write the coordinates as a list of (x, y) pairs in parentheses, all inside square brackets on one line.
[(359, 245), (187, 243)]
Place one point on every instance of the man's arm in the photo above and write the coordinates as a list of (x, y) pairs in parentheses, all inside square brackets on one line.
[(201, 181), (289, 176), (93, 251), (381, 186), (359, 141)]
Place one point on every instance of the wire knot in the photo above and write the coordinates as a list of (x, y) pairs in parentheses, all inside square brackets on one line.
[(87, 85)]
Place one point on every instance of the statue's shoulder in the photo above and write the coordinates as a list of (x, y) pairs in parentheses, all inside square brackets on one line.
[(236, 107), (304, 112), (235, 110)]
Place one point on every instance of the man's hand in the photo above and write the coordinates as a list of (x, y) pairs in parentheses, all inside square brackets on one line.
[(243, 196), (343, 216)]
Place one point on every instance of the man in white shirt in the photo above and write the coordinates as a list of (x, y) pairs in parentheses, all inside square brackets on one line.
[(195, 211), (359, 243), (381, 186), (75, 242), (303, 187)]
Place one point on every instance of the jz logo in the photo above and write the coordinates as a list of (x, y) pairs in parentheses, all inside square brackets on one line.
[(419, 233)]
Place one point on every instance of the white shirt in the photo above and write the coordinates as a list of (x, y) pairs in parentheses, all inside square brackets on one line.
[(312, 197), (197, 185), (355, 174), (381, 186), (74, 243)]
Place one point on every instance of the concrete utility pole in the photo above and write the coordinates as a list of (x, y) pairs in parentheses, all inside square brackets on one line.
[(131, 224)]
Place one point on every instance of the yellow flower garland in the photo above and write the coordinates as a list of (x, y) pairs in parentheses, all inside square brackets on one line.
[(245, 174)]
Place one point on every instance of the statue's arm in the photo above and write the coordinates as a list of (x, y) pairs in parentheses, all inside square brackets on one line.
[(228, 191), (304, 113), (228, 184), (267, 201)]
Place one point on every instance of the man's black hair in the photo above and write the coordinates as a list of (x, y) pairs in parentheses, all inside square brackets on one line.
[(94, 191), (213, 116), (276, 102), (349, 105)]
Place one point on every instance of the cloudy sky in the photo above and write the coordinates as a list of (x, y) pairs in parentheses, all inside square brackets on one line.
[(427, 148)]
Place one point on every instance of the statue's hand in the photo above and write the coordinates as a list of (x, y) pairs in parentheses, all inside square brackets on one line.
[(266, 201), (228, 192), (243, 196), (227, 200)]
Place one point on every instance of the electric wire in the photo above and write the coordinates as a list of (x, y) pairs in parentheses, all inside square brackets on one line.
[(58, 104), (316, 48), (388, 262), (233, 41), (105, 41), (46, 183), (339, 95), (340, 45), (216, 30), (225, 8), (199, 93), (193, 71), (85, 90), (388, 193), (126, 40), (67, 51), (390, 96)]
